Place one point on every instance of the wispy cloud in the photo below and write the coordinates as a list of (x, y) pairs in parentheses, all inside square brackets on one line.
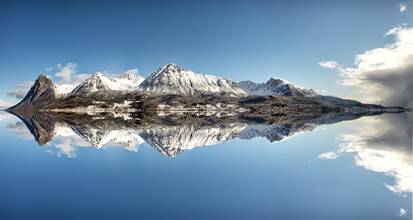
[(328, 64), (69, 74), (20, 129), (50, 68), (384, 74), (403, 7), (21, 89), (328, 156), (402, 212), (4, 104), (66, 71), (132, 71)]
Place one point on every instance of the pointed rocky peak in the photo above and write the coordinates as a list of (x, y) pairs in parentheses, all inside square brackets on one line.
[(170, 68), (40, 94), (173, 79), (275, 81)]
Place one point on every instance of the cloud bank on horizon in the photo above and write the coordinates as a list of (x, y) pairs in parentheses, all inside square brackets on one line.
[(385, 74)]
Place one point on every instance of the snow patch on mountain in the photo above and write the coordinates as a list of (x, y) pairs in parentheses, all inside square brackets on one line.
[(99, 82), (63, 90), (276, 87), (172, 79)]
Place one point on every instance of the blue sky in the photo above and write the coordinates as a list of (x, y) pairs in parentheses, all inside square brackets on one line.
[(234, 39)]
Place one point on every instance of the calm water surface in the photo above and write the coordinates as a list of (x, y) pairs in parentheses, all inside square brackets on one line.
[(358, 169)]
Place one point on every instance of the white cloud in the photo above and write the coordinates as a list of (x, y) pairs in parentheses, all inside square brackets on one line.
[(50, 68), (132, 71), (402, 212), (4, 104), (402, 7), (66, 72), (20, 129), (328, 64), (21, 89), (383, 74), (328, 156)]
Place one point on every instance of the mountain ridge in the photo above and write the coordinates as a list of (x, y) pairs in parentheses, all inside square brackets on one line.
[(172, 79), (127, 82), (275, 86)]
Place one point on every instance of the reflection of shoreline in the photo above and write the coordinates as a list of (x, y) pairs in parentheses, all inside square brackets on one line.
[(384, 145)]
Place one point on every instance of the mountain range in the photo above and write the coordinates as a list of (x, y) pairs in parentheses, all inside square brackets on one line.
[(172, 90), (169, 79), (175, 110)]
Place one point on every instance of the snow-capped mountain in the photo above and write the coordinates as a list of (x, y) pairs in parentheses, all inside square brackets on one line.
[(277, 87), (172, 79), (99, 83)]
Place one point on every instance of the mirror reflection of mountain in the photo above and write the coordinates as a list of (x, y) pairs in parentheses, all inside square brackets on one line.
[(169, 134), (174, 110)]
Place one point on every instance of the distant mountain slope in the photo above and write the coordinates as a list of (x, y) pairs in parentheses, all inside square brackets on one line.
[(172, 79), (99, 83), (277, 87)]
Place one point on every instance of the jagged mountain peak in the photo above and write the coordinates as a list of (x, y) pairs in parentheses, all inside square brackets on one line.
[(173, 79), (40, 94), (275, 86), (99, 82), (170, 67), (276, 80), (167, 69)]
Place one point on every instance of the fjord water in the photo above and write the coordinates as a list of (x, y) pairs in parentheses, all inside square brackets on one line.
[(360, 169)]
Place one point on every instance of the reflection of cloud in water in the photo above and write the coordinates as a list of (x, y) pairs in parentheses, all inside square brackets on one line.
[(4, 116), (328, 156), (20, 129), (384, 145), (66, 142)]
